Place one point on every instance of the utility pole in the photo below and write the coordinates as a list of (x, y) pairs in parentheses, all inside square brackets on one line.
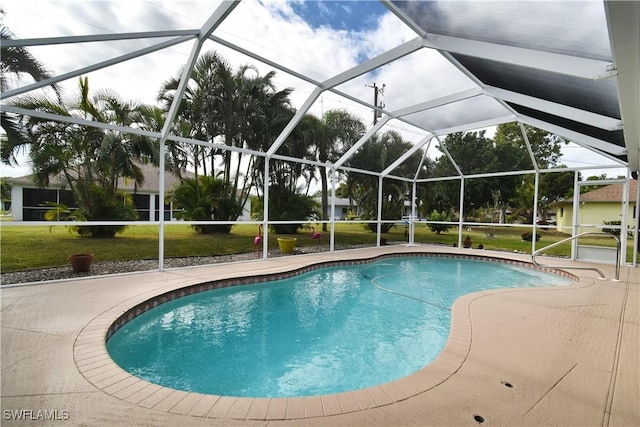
[(377, 90)]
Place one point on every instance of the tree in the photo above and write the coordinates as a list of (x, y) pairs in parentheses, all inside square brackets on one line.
[(554, 187), (442, 217), (377, 154), (591, 187), (5, 190), (545, 145), (546, 149), (240, 109), (202, 199), (15, 61), (473, 152), (90, 160), (288, 201), (342, 130), (286, 205)]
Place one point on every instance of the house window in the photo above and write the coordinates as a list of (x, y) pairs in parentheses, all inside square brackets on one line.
[(141, 203), (36, 202), (167, 210), (561, 212)]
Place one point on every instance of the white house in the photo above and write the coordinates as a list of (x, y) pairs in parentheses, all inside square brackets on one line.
[(342, 208), (598, 206), (29, 202)]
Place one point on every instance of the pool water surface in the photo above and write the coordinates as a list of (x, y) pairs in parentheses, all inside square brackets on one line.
[(326, 331)]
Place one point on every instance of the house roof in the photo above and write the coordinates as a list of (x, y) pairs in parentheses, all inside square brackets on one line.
[(610, 193), (340, 201), (151, 180)]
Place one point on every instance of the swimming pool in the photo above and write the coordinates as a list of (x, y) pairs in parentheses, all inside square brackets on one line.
[(322, 332)]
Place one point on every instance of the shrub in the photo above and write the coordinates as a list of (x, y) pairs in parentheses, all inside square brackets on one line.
[(528, 236), (207, 199), (286, 206), (97, 204), (614, 231), (439, 216)]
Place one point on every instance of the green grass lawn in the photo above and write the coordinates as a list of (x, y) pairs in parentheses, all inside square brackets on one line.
[(32, 247)]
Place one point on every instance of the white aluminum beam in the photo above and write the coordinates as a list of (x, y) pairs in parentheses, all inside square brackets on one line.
[(262, 59), (521, 172), (623, 19), (476, 125), (440, 178), (373, 63), (399, 178), (217, 17), (379, 216), (443, 147), (217, 146), (571, 113), (79, 121), (90, 38), (355, 147), (438, 102), (94, 67), (488, 175), (406, 155), (294, 121), (525, 137), (579, 138), (356, 170), (166, 128), (536, 189), (424, 156), (297, 160), (404, 18), (547, 61)]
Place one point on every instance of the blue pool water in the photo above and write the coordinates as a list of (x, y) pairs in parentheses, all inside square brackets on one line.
[(326, 331)]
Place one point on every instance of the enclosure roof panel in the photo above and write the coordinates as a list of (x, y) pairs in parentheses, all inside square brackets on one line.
[(554, 61), (568, 67)]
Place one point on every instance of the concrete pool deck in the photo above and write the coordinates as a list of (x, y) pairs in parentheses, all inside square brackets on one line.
[(536, 356)]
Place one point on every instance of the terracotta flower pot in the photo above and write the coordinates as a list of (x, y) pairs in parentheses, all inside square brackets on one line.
[(81, 263)]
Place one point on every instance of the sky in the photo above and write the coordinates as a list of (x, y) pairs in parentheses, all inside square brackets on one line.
[(315, 38)]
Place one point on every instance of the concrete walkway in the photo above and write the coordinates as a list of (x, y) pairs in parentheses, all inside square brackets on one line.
[(536, 356)]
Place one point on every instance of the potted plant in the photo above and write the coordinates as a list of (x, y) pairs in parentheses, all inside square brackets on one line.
[(81, 263), (467, 242)]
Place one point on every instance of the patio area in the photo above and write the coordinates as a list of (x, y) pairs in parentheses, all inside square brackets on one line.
[(554, 356)]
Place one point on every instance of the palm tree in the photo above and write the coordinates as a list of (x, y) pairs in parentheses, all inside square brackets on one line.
[(376, 155), (15, 61), (342, 130), (197, 114), (90, 160), (240, 109)]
